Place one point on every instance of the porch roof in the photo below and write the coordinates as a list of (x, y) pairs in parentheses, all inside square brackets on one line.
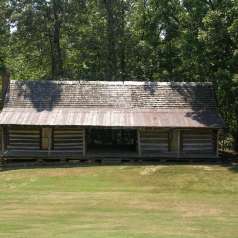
[(111, 118)]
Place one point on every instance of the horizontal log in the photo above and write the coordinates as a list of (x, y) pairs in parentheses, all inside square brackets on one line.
[(154, 138), (23, 136), (154, 147), (24, 143), (198, 140), (154, 141), (70, 128), (68, 144), (198, 149), (196, 136), (154, 151), (159, 153), (154, 144), (198, 144), (199, 131), (68, 140), (68, 132), (34, 141), (23, 139), (68, 136), (68, 152), (23, 147), (198, 152), (24, 131), (201, 145), (68, 149), (156, 135)]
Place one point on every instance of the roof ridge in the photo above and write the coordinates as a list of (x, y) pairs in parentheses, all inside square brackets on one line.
[(83, 82)]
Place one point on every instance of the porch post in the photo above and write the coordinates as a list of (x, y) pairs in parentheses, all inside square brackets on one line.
[(138, 142), (49, 140), (217, 143), (84, 142), (178, 143), (3, 140)]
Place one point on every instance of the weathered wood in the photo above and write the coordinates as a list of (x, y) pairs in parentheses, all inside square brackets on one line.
[(69, 136), (19, 136), (71, 133), (20, 139), (23, 138), (195, 141), (23, 147), (217, 143), (26, 131), (84, 142), (2, 140), (138, 142), (68, 139), (178, 143), (154, 141)]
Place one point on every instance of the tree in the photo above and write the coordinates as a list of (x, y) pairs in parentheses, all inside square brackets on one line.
[(4, 34), (218, 35), (166, 40)]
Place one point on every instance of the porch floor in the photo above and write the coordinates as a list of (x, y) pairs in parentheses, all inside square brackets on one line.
[(93, 155)]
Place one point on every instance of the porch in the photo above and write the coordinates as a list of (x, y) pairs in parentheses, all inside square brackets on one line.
[(98, 143)]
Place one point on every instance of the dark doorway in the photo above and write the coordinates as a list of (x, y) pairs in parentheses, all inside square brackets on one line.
[(106, 141)]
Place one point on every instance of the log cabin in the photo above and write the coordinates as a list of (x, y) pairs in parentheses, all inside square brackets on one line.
[(99, 119)]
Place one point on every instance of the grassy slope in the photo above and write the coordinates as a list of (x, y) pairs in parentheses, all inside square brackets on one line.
[(120, 201)]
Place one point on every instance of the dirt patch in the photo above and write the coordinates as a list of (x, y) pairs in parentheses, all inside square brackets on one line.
[(150, 170)]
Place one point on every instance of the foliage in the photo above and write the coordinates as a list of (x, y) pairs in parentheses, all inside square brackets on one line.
[(173, 40)]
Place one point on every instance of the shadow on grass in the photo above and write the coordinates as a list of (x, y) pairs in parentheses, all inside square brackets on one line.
[(233, 168), (230, 165)]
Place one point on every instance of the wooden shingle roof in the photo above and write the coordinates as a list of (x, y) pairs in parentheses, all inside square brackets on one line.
[(100, 103)]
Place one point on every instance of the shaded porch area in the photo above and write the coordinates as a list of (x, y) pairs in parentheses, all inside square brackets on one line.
[(111, 142)]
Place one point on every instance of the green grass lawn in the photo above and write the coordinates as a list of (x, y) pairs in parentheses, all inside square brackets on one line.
[(184, 201)]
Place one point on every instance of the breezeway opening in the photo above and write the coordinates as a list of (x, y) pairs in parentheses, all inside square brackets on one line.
[(111, 141)]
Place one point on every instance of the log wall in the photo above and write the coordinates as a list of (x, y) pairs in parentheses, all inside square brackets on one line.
[(154, 141), (23, 138), (68, 139), (198, 142), (176, 143)]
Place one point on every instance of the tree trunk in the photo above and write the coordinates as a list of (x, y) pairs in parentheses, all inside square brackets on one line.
[(56, 56), (111, 41), (122, 43)]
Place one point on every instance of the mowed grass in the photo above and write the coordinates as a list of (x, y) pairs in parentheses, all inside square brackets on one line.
[(184, 201)]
